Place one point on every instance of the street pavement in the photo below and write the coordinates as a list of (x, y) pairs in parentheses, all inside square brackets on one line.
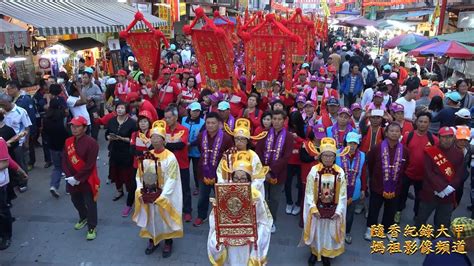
[(43, 232)]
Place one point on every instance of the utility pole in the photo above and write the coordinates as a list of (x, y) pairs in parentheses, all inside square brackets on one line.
[(442, 13)]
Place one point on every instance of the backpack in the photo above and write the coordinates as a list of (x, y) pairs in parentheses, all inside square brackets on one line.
[(430, 137), (371, 80)]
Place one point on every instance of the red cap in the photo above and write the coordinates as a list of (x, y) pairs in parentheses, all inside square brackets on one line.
[(179, 71), (446, 131), (187, 70), (133, 96), (146, 114), (78, 121), (166, 71), (302, 72), (122, 72), (174, 66)]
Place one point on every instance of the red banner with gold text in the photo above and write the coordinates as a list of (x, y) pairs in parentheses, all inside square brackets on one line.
[(146, 48), (214, 57)]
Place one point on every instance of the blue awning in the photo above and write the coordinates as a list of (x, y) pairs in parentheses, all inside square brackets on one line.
[(413, 14)]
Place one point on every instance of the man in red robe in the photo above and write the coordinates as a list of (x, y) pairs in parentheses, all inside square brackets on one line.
[(79, 164)]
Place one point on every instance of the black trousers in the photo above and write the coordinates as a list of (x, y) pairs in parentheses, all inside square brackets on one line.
[(131, 192), (349, 99), (203, 202), (389, 208), (195, 161), (442, 215), (187, 208), (406, 183), (293, 170), (86, 207), (350, 215), (5, 215)]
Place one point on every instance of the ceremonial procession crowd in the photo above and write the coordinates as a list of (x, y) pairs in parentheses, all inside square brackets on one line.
[(354, 135)]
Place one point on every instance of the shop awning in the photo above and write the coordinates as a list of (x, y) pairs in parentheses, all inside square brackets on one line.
[(462, 36), (74, 16), (412, 14), (13, 35), (81, 43)]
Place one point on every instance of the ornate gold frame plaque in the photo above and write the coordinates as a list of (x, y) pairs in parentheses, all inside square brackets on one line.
[(235, 214)]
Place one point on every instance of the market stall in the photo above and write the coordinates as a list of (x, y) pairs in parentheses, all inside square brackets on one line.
[(15, 57)]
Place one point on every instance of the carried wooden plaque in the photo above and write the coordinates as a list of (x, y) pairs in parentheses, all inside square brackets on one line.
[(235, 214)]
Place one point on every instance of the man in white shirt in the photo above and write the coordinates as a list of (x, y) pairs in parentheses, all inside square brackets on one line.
[(18, 119), (408, 101), (186, 55), (76, 102)]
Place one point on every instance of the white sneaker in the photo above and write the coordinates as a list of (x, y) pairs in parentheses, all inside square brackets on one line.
[(367, 235), (289, 209), (296, 210), (274, 228), (54, 192)]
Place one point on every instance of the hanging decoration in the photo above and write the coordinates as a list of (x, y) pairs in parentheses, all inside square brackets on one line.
[(146, 46), (227, 25), (265, 45), (304, 28), (213, 49)]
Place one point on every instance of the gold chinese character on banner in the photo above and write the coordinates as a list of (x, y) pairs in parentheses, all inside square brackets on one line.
[(442, 247), (426, 230), (377, 230), (442, 231), (459, 247), (458, 229), (410, 231), (410, 247), (377, 247), (426, 247), (209, 56), (394, 230), (394, 247)]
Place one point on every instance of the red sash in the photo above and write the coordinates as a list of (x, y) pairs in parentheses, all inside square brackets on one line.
[(77, 163), (445, 166)]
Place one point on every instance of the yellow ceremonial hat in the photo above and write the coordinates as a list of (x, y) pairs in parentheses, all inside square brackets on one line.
[(243, 162), (242, 129), (327, 145), (159, 128)]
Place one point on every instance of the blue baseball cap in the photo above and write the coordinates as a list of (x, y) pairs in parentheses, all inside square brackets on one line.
[(454, 96), (223, 106), (353, 137), (89, 70), (194, 106)]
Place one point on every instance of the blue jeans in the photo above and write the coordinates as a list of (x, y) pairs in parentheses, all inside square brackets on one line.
[(57, 170)]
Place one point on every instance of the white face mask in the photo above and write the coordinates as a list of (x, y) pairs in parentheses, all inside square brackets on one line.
[(60, 81)]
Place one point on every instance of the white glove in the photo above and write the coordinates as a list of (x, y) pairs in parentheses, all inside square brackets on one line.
[(72, 181), (440, 194), (448, 190)]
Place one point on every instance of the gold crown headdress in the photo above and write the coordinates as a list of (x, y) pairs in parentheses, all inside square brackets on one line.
[(242, 129), (327, 144), (159, 128), (243, 162)]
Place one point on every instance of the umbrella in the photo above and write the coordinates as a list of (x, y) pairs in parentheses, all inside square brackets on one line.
[(448, 48), (404, 39), (407, 48)]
